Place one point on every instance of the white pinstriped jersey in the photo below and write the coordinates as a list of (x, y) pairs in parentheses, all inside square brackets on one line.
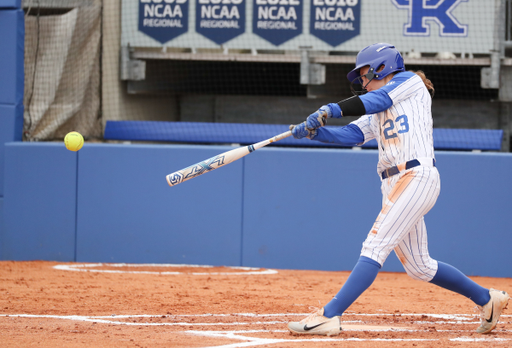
[(404, 131)]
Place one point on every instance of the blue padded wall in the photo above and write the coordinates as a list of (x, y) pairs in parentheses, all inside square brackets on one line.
[(258, 211), (128, 213), (468, 227), (247, 133), (9, 4), (12, 36), (12, 29), (323, 227), (39, 202), (308, 209), (11, 128)]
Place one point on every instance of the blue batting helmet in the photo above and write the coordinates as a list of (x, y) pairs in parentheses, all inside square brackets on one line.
[(375, 56)]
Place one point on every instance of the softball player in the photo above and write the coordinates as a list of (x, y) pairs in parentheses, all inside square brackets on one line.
[(396, 111)]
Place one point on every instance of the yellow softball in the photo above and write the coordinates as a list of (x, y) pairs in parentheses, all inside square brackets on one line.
[(74, 141)]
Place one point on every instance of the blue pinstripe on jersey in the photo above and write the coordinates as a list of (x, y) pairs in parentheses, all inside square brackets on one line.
[(411, 98)]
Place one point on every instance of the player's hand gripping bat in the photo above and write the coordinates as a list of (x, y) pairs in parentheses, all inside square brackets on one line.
[(219, 160)]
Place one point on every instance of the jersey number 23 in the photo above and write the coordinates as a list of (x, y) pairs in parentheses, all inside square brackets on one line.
[(389, 127)]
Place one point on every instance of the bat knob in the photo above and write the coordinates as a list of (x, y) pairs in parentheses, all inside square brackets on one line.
[(174, 178)]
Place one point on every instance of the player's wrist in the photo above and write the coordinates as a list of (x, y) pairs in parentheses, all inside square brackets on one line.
[(300, 131), (334, 110)]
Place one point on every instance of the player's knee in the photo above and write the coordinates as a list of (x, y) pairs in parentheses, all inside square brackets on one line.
[(423, 276), (375, 256), (423, 272)]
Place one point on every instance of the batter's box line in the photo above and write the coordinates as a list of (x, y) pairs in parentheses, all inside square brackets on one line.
[(460, 318), (114, 319), (465, 317), (114, 322)]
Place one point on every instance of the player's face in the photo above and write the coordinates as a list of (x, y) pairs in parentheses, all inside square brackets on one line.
[(374, 84)]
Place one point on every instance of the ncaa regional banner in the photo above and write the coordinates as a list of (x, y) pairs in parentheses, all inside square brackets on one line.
[(335, 21), (277, 21), (220, 20), (429, 26), (163, 21)]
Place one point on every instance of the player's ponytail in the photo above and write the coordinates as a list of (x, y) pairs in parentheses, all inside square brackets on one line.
[(427, 82)]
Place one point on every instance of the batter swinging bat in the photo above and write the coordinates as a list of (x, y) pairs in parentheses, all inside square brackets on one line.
[(219, 160)]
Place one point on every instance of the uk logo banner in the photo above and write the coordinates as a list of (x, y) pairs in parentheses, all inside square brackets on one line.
[(335, 21), (424, 13), (277, 21), (220, 20), (163, 20)]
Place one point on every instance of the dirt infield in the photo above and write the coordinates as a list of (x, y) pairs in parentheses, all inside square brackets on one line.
[(49, 304)]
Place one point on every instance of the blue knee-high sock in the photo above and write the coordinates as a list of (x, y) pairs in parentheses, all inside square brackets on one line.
[(450, 278), (362, 276)]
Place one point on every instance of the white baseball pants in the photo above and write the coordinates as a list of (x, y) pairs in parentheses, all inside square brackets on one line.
[(400, 226)]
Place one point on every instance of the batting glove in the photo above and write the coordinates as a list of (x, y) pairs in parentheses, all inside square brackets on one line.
[(319, 118), (301, 131)]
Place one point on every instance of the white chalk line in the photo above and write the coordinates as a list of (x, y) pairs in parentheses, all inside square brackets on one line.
[(250, 341), (257, 341), (237, 334), (473, 339), (463, 319), (89, 267)]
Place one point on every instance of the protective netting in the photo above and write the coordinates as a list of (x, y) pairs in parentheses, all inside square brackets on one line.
[(249, 61), (62, 72)]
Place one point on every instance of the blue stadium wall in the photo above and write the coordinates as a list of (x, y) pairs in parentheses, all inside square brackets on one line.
[(12, 35), (287, 208)]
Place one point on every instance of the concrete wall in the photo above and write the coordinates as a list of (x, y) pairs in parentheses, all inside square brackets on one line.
[(447, 113), (111, 203), (117, 104)]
